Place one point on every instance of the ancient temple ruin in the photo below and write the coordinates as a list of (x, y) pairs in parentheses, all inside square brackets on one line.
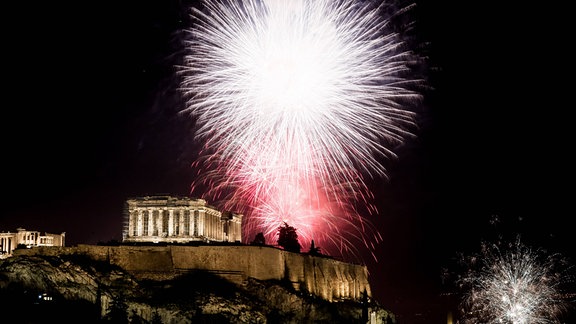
[(178, 220), (9, 241)]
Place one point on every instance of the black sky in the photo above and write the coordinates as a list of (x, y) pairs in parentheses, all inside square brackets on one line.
[(90, 119)]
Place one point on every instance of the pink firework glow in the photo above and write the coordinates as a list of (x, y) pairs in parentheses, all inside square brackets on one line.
[(296, 102)]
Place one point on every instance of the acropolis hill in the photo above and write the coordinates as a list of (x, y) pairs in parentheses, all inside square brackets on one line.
[(185, 226), (85, 284), (329, 279), (166, 239)]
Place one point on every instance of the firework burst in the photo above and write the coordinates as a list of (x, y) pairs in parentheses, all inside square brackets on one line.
[(296, 102), (516, 285)]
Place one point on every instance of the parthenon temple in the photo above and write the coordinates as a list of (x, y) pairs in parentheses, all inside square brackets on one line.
[(178, 220)]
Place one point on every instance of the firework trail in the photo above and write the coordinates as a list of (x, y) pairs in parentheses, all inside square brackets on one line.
[(516, 285), (296, 101)]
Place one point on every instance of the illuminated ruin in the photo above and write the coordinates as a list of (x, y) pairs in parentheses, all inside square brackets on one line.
[(178, 220), (9, 241)]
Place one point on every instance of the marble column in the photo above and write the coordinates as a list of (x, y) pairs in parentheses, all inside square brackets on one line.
[(139, 223), (191, 229), (130, 224), (159, 223), (180, 222), (150, 222), (201, 217), (170, 222)]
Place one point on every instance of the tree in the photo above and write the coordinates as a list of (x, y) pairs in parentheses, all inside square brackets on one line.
[(288, 239), (259, 239), (314, 250), (135, 318), (117, 311), (156, 318)]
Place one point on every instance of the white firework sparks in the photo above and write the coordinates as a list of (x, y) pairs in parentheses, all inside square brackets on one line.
[(296, 96), (515, 286)]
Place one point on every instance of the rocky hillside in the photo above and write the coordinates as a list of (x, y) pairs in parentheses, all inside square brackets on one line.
[(76, 289)]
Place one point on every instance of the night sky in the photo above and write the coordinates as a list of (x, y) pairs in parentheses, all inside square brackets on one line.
[(90, 119)]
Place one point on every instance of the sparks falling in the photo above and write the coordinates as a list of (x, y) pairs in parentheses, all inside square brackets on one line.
[(296, 102), (515, 285)]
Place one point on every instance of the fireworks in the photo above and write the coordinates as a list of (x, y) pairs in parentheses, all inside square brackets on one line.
[(515, 285), (296, 101)]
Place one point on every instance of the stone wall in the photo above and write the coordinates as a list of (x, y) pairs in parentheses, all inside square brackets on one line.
[(324, 277)]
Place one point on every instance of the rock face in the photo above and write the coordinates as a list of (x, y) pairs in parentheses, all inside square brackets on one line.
[(78, 289), (321, 276)]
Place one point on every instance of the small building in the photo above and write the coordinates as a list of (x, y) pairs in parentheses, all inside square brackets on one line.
[(178, 220), (22, 237)]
